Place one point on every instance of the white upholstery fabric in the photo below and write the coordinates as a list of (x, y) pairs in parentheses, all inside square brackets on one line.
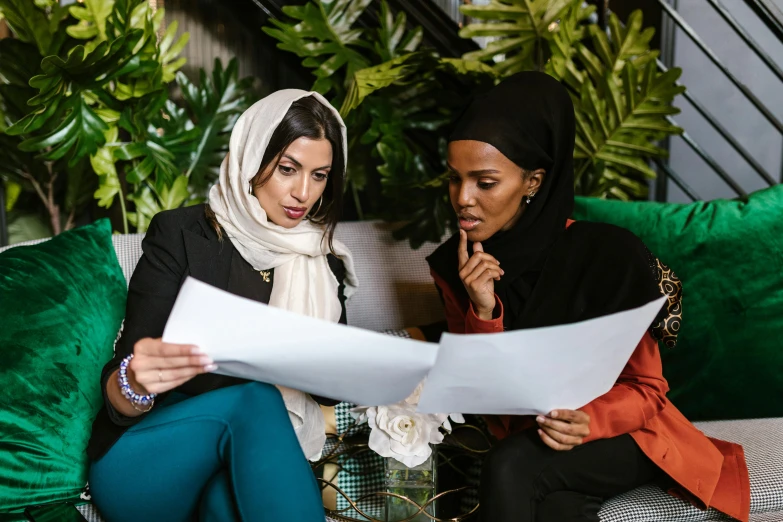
[(396, 289)]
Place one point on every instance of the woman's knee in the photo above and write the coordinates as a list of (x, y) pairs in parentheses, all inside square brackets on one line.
[(511, 460), (257, 398)]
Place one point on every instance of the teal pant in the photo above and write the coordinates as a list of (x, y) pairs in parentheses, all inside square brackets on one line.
[(227, 455)]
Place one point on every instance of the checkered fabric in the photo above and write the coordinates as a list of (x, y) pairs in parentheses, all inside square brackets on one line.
[(764, 455), (777, 516), (361, 474)]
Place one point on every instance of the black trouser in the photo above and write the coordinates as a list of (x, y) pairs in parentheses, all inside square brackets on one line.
[(523, 480)]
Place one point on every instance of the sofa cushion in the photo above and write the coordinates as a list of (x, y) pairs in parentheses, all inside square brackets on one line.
[(729, 256), (61, 305)]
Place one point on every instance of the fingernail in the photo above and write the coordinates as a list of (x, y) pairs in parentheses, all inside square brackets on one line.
[(540, 419), (502, 272), (553, 414), (205, 359), (195, 350), (540, 432), (211, 367)]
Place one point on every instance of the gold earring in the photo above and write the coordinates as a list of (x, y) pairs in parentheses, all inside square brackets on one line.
[(320, 204)]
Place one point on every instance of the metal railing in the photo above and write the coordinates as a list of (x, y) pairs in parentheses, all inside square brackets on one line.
[(688, 30)]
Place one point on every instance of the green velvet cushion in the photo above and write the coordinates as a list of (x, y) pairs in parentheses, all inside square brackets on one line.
[(729, 254), (61, 305)]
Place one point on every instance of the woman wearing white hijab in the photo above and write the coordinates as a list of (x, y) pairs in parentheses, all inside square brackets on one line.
[(176, 442)]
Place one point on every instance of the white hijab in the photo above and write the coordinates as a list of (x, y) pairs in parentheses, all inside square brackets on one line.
[(303, 281)]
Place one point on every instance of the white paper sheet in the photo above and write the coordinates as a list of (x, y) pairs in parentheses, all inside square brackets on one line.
[(534, 371), (521, 372), (251, 340)]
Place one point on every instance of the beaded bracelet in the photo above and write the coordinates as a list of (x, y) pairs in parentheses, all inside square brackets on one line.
[(135, 399)]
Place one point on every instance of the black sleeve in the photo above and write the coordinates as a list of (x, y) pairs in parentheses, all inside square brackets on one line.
[(151, 294), (338, 269)]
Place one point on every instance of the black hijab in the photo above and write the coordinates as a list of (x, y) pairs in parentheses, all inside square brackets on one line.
[(553, 275)]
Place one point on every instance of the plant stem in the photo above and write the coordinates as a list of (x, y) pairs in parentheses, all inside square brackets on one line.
[(52, 207), (47, 198), (124, 213), (71, 217)]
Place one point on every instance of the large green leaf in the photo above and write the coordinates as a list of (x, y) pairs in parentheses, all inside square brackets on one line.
[(80, 134), (629, 42), (103, 164), (19, 61), (522, 30), (570, 30), (324, 36), (28, 22), (83, 69), (394, 39), (170, 48), (214, 107), (175, 195), (620, 130), (92, 16), (371, 79), (146, 208), (12, 192)]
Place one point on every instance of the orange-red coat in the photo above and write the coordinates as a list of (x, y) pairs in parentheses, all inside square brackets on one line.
[(709, 472)]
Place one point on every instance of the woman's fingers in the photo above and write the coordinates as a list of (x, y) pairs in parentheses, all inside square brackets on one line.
[(576, 416), (159, 381), (566, 428), (474, 262), (145, 362), (484, 272), (462, 251), (157, 348), (562, 438), (552, 443)]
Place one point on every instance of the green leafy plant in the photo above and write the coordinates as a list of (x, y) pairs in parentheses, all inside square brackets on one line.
[(396, 100), (93, 123), (622, 103)]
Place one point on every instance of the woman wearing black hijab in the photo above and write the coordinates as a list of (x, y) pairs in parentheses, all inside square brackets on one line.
[(519, 262)]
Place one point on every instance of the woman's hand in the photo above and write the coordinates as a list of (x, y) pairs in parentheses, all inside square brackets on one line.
[(158, 367), (478, 273), (563, 430)]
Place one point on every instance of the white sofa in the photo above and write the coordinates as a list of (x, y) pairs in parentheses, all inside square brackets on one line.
[(396, 291)]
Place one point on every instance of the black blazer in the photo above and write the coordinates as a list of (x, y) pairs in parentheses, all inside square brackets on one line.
[(178, 243)]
